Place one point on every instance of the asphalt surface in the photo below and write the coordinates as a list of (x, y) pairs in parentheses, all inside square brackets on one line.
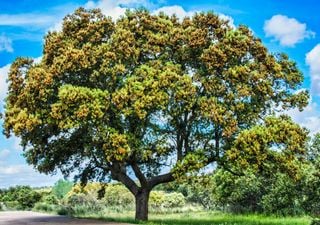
[(34, 218)]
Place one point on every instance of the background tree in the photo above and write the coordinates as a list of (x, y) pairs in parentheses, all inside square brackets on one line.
[(61, 188), (153, 98)]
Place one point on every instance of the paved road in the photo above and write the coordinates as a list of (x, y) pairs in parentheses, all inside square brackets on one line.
[(33, 218)]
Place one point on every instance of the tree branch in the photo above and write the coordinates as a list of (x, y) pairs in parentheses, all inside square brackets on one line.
[(164, 178), (139, 174), (118, 174)]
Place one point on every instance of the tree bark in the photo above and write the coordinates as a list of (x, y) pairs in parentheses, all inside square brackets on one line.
[(142, 200)]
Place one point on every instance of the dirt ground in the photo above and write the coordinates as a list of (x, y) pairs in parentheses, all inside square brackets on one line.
[(33, 218)]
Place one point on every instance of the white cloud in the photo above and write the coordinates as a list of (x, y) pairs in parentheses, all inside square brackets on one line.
[(288, 31), (4, 153), (3, 83), (175, 9), (37, 60), (5, 44), (56, 27), (14, 169), (90, 5), (313, 61), (308, 118), (29, 19), (22, 174), (181, 13), (228, 18), (115, 8)]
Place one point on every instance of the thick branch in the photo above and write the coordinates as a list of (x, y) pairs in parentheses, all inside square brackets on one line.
[(139, 174), (164, 178), (121, 176)]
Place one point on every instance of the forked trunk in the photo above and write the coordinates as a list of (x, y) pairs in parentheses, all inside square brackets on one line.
[(142, 200)]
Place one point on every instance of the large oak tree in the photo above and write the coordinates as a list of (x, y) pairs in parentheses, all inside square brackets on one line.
[(149, 98)]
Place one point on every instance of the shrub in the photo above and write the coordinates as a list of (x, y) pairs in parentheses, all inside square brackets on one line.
[(80, 199), (315, 222), (94, 189), (174, 200), (27, 198), (63, 210), (20, 197), (50, 199), (157, 199), (86, 203), (160, 199), (282, 198), (2, 206), (12, 205), (45, 207), (116, 195)]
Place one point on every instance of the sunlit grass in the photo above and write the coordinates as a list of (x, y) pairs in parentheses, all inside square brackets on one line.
[(202, 218)]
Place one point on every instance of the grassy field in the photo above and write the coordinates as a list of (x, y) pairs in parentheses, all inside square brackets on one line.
[(204, 218)]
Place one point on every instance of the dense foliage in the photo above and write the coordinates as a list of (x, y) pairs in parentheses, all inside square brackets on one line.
[(20, 197), (152, 91)]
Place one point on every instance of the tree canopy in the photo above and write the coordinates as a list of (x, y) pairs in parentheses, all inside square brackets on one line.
[(152, 98)]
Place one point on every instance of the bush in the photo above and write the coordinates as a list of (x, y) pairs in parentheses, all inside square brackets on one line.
[(27, 198), (238, 194), (81, 203), (50, 199), (94, 189), (174, 200), (315, 222), (12, 205), (2, 206), (160, 199), (157, 199), (282, 198), (63, 210), (45, 207), (20, 197), (116, 195), (197, 191), (81, 199)]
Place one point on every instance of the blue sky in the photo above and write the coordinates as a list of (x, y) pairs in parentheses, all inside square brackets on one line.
[(290, 26)]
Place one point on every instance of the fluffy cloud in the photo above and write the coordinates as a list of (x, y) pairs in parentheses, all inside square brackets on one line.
[(22, 174), (313, 60), (308, 118), (3, 83), (175, 9), (115, 8), (288, 31), (228, 18), (5, 44), (181, 13), (29, 19)]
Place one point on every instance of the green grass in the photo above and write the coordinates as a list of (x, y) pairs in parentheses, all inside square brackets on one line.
[(202, 218)]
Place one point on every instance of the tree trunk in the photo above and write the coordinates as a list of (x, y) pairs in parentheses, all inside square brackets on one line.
[(142, 200)]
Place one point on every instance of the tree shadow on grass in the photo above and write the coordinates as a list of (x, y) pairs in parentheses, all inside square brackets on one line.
[(218, 221)]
